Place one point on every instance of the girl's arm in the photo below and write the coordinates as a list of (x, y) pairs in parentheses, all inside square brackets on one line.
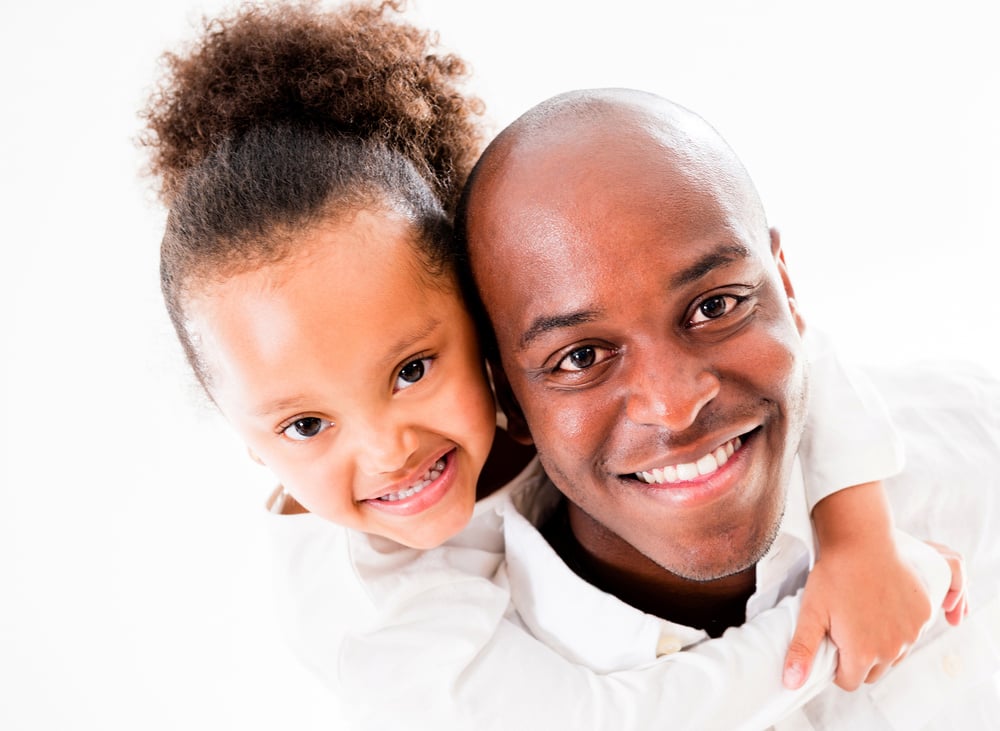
[(410, 639), (860, 592)]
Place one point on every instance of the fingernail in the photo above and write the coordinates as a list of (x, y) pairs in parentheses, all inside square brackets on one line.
[(793, 676)]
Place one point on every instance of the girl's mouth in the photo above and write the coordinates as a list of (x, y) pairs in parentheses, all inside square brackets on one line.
[(423, 492), (429, 476)]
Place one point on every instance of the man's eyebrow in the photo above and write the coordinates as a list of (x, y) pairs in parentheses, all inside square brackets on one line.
[(545, 324), (726, 254)]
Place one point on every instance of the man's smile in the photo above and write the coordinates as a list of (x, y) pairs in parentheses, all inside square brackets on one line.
[(667, 410), (724, 470), (685, 471)]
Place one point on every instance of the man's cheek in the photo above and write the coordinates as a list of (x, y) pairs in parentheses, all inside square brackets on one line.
[(569, 422)]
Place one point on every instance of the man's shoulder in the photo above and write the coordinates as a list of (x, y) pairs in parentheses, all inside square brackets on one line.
[(939, 388), (948, 416)]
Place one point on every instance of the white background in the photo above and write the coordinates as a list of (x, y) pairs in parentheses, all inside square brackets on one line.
[(134, 586)]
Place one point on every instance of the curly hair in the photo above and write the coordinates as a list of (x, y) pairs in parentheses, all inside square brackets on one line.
[(353, 71), (283, 117)]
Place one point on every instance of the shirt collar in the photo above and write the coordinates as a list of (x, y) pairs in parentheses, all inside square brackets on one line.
[(594, 628), (578, 620), (783, 569)]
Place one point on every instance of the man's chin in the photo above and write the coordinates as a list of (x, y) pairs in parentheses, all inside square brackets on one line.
[(705, 574), (729, 558)]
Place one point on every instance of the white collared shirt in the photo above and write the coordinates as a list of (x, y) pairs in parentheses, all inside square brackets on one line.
[(591, 627), (543, 587), (411, 639), (434, 635), (950, 680)]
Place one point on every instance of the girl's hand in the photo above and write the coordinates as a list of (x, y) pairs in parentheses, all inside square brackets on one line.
[(861, 593), (871, 604), (956, 601)]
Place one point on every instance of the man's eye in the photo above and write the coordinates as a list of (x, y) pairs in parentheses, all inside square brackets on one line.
[(583, 358), (411, 373), (306, 428), (714, 308)]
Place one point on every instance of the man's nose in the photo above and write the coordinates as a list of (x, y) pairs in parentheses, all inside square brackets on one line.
[(384, 447), (669, 388)]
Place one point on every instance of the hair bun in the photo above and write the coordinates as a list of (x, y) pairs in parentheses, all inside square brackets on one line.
[(353, 71)]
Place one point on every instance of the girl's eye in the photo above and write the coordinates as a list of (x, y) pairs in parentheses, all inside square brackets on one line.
[(583, 358), (411, 373), (714, 308), (306, 428)]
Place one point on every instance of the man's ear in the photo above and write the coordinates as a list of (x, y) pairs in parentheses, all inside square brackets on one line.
[(786, 280), (517, 427), (254, 457)]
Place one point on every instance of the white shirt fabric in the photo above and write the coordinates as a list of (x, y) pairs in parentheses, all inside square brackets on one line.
[(435, 639), (848, 436), (425, 639), (950, 423)]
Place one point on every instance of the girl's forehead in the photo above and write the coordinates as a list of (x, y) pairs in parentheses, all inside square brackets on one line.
[(347, 246), (354, 292)]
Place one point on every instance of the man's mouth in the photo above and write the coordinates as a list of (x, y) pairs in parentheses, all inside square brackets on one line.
[(428, 477), (686, 471)]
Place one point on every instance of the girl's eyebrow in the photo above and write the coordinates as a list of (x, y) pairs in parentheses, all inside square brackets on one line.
[(292, 403), (392, 357), (406, 343)]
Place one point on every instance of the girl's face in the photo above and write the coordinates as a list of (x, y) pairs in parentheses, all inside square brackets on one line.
[(356, 378)]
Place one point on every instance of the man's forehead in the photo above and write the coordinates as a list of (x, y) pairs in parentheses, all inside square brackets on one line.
[(576, 186), (603, 193), (609, 138)]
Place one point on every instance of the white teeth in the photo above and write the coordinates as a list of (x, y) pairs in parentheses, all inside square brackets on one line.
[(689, 470), (707, 465), (432, 474)]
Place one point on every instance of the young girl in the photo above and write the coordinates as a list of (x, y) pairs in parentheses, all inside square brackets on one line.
[(310, 161)]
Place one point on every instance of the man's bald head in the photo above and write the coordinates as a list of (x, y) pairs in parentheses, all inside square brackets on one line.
[(560, 135), (644, 323)]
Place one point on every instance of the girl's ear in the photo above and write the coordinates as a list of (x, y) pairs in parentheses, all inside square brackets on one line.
[(517, 427)]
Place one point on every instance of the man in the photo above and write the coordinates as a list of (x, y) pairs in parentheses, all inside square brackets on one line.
[(651, 341)]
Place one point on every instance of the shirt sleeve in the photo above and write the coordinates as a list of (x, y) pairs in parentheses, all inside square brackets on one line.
[(448, 665), (437, 645), (426, 640), (458, 676), (849, 438)]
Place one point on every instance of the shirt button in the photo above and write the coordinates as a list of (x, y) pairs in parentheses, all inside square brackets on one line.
[(667, 645), (952, 665)]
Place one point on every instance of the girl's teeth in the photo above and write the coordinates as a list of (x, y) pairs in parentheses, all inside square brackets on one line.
[(432, 474), (689, 470)]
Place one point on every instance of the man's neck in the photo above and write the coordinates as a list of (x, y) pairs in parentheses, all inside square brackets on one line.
[(617, 568)]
